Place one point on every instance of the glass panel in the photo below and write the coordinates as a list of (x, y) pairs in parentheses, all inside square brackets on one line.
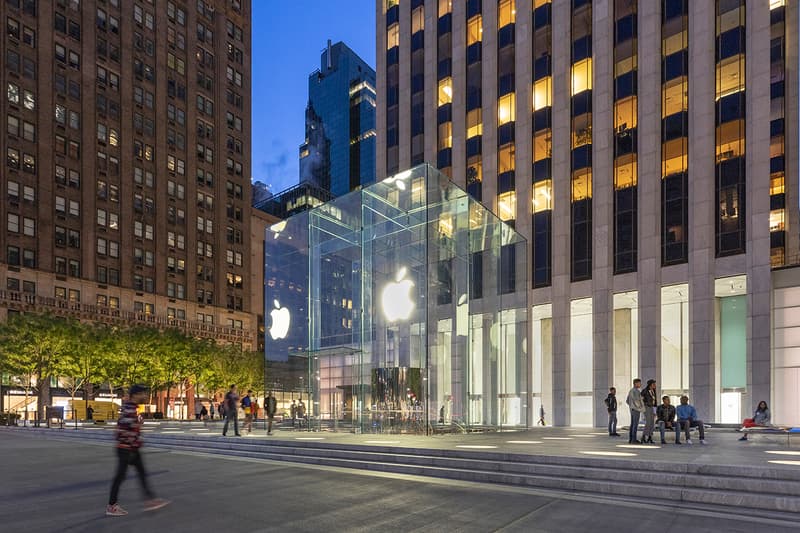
[(675, 339), (581, 363), (626, 347)]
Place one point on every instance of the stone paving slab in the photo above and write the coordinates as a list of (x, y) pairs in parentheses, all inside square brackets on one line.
[(50, 486)]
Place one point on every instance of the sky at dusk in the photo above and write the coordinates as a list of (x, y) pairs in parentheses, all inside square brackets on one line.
[(288, 38)]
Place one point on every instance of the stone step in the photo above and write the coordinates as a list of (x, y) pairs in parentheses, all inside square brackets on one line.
[(766, 504)]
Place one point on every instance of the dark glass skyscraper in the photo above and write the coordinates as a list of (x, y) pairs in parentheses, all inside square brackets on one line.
[(339, 149)]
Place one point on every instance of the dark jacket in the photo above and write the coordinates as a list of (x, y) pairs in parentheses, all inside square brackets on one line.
[(611, 403), (231, 402), (270, 406), (665, 413), (649, 397)]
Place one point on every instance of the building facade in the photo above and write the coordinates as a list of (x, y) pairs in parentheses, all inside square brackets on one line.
[(647, 150), (127, 173), (338, 153)]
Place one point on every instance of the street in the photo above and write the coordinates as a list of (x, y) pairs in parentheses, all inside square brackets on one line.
[(52, 485)]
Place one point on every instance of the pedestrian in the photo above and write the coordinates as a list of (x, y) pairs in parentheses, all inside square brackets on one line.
[(650, 404), (247, 406), (129, 442), (687, 418), (270, 407), (231, 408), (611, 406), (212, 408), (221, 409), (89, 413), (293, 411), (204, 413), (301, 412), (198, 407), (636, 406), (541, 415)]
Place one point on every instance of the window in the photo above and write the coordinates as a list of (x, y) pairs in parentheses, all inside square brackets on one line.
[(392, 36), (445, 91), (506, 109), (582, 76), (13, 223), (474, 30), (506, 13)]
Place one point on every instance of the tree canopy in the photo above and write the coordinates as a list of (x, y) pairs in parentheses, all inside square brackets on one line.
[(35, 347)]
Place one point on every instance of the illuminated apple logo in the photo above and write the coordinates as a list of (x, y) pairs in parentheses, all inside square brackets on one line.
[(280, 321), (396, 298)]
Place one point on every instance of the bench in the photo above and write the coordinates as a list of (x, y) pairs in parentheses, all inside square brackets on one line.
[(772, 430)]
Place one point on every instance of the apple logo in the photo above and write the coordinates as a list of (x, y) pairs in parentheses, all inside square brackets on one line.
[(280, 321), (396, 298)]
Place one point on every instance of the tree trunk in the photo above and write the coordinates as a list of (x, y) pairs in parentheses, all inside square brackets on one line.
[(44, 398)]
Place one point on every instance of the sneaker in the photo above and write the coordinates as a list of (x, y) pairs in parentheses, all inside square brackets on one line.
[(115, 510), (678, 442), (688, 441), (155, 503), (743, 438), (703, 442)]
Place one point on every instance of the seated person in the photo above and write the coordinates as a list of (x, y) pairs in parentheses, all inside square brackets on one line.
[(665, 416), (760, 418), (687, 419)]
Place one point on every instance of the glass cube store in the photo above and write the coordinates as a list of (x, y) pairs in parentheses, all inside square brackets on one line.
[(401, 307)]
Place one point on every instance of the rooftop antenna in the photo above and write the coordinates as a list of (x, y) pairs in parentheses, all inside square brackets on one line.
[(329, 54)]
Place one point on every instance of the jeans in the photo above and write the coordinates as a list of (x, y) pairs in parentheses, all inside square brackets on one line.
[(649, 422), (675, 425), (128, 457), (233, 415), (687, 424), (612, 422), (634, 425)]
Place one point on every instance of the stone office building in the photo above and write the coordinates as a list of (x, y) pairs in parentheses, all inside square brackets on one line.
[(647, 150)]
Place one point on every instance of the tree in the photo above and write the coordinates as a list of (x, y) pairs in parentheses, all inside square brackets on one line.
[(34, 344)]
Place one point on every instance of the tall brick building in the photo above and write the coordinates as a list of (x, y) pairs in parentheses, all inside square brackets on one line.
[(127, 171)]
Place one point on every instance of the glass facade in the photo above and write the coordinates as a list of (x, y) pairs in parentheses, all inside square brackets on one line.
[(339, 149), (674, 132), (542, 108), (417, 82), (474, 111), (625, 136), (506, 111), (392, 86), (581, 184), (730, 122), (777, 163), (401, 307)]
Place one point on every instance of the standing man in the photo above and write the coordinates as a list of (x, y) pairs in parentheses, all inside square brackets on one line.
[(270, 406), (231, 411), (293, 412), (129, 441), (636, 406), (611, 405), (650, 403), (247, 407), (687, 418), (301, 412)]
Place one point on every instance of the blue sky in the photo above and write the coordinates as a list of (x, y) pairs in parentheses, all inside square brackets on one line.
[(287, 40)]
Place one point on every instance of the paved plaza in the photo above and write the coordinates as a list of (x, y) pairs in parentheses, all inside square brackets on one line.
[(54, 484)]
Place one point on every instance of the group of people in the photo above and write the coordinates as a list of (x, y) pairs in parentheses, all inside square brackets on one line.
[(229, 409), (298, 412), (666, 416)]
